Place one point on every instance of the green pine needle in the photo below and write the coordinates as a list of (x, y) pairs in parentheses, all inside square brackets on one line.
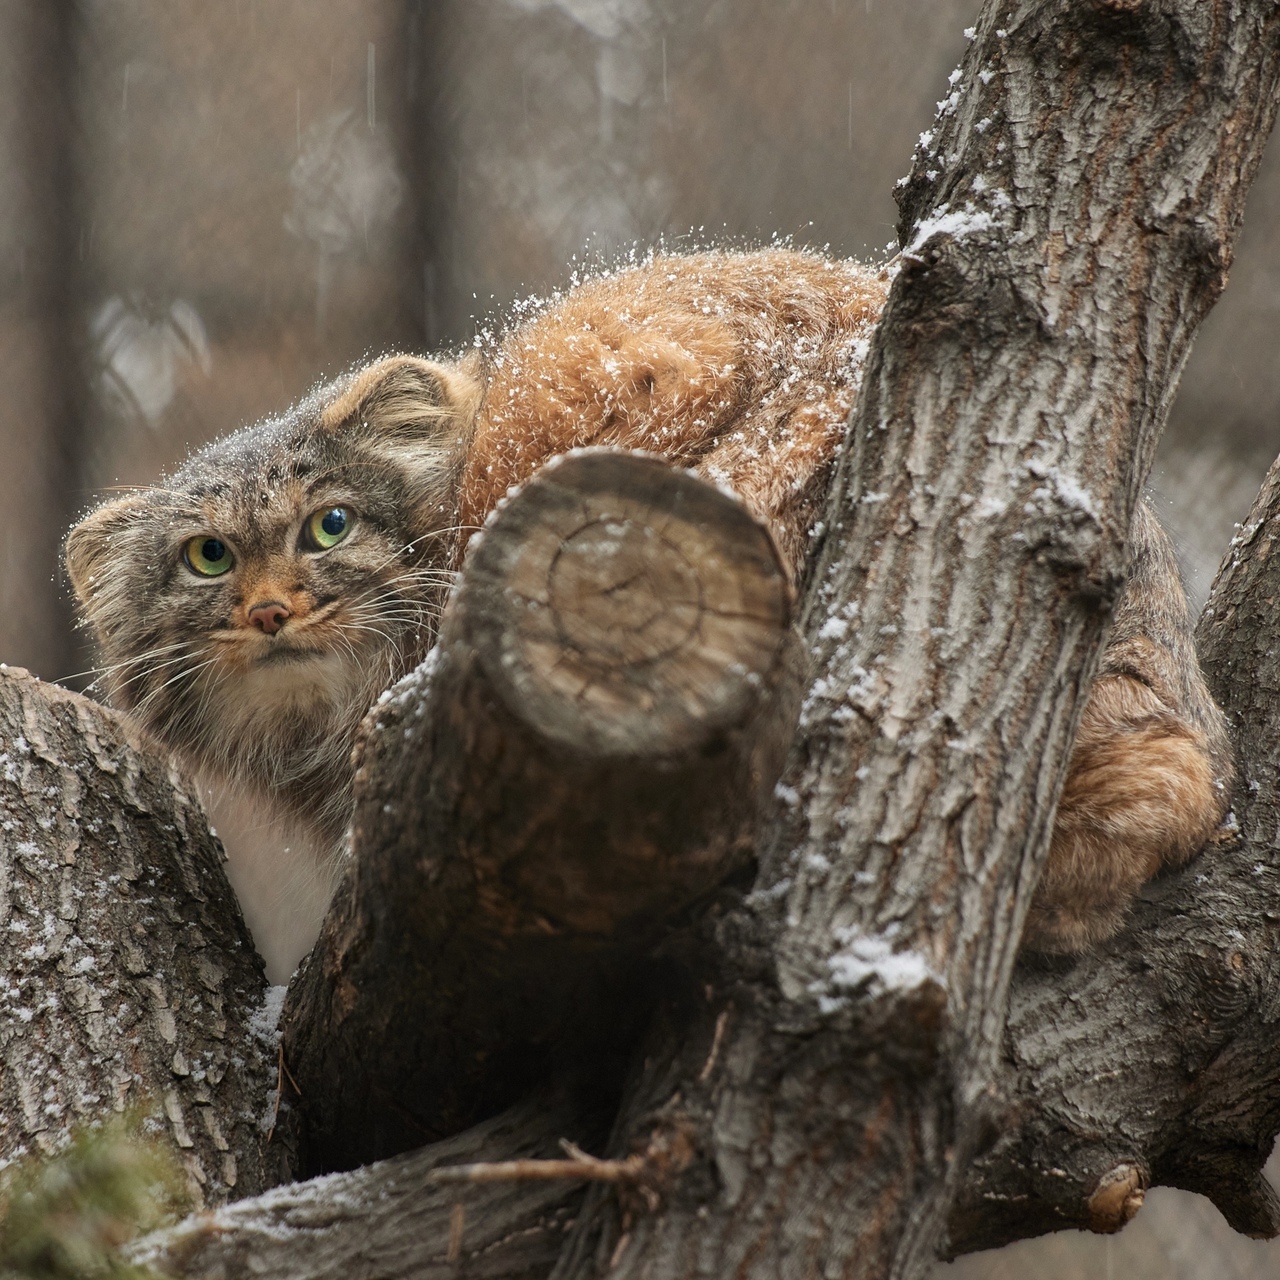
[(66, 1216)]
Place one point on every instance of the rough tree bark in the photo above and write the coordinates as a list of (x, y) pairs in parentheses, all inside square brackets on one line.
[(609, 702), (1156, 1058), (129, 977), (826, 1078), (1066, 226), (388, 1220)]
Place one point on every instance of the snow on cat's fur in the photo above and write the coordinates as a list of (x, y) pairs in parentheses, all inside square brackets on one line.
[(257, 662)]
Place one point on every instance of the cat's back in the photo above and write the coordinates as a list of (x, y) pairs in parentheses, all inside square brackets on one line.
[(740, 365)]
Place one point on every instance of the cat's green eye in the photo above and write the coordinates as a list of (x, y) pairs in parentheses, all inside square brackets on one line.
[(209, 557), (328, 526)]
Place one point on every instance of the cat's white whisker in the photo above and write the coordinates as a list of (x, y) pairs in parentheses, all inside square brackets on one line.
[(142, 709), (367, 627), (145, 656)]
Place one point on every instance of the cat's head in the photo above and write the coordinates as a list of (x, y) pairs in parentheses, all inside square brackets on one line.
[(266, 591)]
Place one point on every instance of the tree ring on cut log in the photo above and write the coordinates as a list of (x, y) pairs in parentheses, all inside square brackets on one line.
[(622, 594), (623, 606)]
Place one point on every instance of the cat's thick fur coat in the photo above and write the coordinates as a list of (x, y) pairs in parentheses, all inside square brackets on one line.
[(741, 366)]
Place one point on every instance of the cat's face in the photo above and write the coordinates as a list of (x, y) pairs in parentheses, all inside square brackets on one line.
[(251, 607)]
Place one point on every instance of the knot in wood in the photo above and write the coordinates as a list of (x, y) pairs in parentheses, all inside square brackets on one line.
[(1119, 1195), (670, 1151)]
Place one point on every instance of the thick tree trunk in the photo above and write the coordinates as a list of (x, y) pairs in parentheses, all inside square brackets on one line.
[(1067, 225), (1156, 1059), (610, 701), (129, 977)]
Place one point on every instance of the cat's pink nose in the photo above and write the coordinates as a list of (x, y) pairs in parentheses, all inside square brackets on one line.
[(268, 617)]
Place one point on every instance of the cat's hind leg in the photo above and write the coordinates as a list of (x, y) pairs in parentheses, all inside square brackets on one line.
[(1150, 776), (1140, 795)]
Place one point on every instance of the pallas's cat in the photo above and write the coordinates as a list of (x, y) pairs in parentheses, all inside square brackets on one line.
[(252, 606)]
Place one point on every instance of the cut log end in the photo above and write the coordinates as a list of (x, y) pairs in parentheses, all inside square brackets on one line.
[(626, 626), (626, 609), (615, 689)]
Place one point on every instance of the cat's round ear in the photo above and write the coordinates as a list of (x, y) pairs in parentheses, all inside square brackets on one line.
[(409, 400), (93, 547)]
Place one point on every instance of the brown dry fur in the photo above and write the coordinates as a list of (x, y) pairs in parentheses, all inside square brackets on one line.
[(1140, 796), (1151, 772), (742, 367)]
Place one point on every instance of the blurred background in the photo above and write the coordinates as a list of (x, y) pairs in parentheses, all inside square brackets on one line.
[(205, 208)]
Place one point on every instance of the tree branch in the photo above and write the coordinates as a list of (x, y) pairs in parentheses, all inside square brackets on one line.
[(129, 977), (1157, 1059), (390, 1219), (612, 696)]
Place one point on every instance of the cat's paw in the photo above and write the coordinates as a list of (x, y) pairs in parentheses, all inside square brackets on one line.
[(1140, 795)]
